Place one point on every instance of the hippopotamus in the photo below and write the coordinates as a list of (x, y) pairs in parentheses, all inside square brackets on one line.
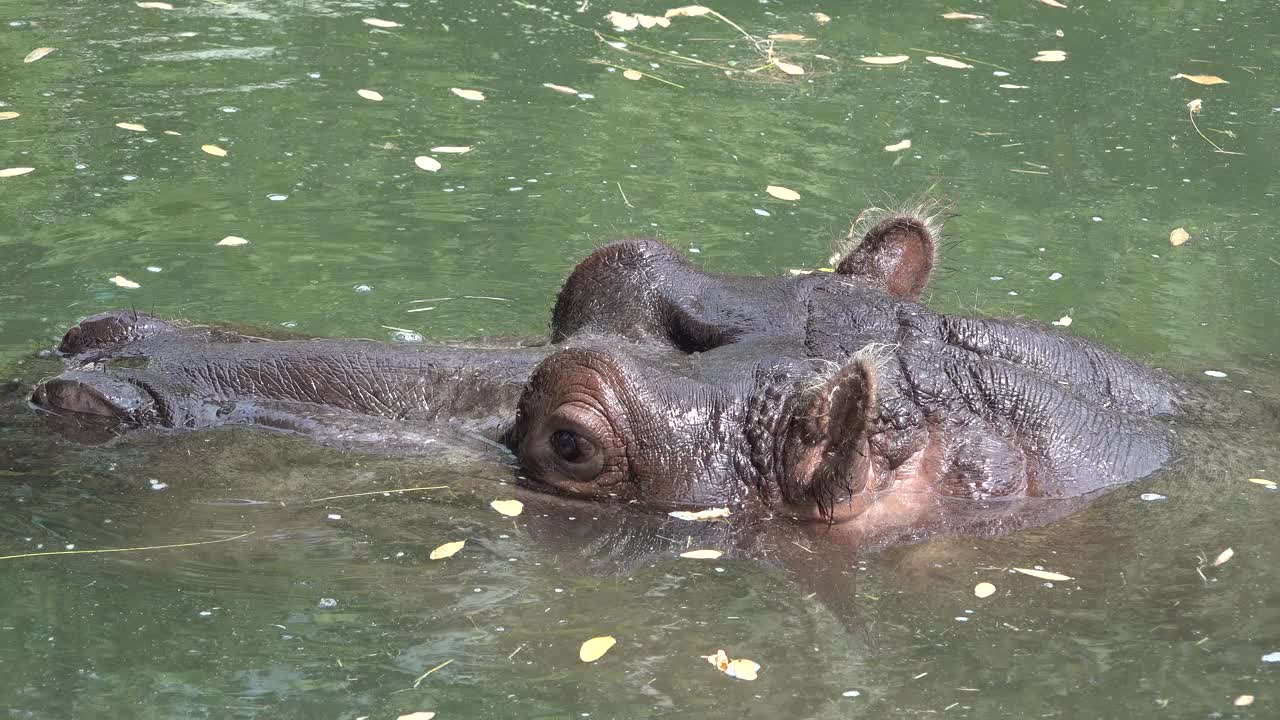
[(830, 398)]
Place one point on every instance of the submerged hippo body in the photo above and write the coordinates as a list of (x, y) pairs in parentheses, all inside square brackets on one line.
[(834, 397)]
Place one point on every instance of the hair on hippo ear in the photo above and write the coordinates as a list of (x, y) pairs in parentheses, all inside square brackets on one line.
[(824, 441), (898, 249)]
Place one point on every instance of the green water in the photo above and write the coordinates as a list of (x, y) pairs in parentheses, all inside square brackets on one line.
[(1083, 172)]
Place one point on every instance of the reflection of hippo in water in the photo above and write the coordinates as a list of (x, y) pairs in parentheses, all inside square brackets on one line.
[(831, 396)]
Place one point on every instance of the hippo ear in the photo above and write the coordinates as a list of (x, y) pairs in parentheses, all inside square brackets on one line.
[(824, 444), (897, 254)]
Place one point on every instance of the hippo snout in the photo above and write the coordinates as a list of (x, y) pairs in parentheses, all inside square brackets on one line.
[(95, 393)]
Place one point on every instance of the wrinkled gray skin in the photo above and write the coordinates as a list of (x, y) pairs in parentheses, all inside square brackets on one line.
[(834, 397)]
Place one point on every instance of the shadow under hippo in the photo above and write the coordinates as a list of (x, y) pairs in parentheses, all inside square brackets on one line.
[(833, 403)]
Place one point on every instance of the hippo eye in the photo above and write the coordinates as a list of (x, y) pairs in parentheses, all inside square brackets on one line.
[(567, 445)]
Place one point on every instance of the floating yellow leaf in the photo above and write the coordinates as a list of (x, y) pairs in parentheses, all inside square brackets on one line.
[(1265, 483), (36, 54), (687, 11), (741, 668), (1223, 556), (1043, 574), (595, 648), (451, 149), (787, 36), (961, 16), (131, 126), (984, 589), (510, 508), (1050, 56), (1243, 700), (1202, 79), (947, 62), (701, 554), (822, 18), (1053, 3), (154, 5), (467, 94), (14, 171), (381, 23), (782, 193), (560, 88), (232, 240), (427, 163), (789, 68), (447, 550), (1179, 237), (420, 715), (8, 115), (631, 74), (214, 150), (886, 59), (124, 282), (902, 145), (373, 95), (708, 514), (623, 21)]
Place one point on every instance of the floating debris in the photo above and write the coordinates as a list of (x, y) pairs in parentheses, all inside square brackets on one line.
[(702, 515), (467, 94), (447, 550), (1064, 321), (1201, 79), (960, 16), (742, 669), (632, 74), (782, 193), (1215, 373), (1043, 574), (900, 145), (451, 149), (232, 240), (1178, 237), (373, 95), (885, 59), (702, 554), (510, 508), (560, 88), (947, 62), (427, 163), (1224, 556), (1050, 56), (124, 282), (380, 23), (131, 126), (984, 590), (595, 648), (788, 68), (214, 150), (36, 54), (15, 171), (154, 5), (9, 115), (1152, 497)]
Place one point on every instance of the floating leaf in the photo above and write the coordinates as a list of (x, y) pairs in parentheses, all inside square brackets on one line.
[(1043, 574), (1053, 3), (1195, 105), (648, 21), (172, 132), (510, 508), (961, 16), (631, 74), (232, 240), (947, 62), (687, 11), (1011, 86), (1064, 321), (214, 150), (742, 669), (427, 163), (984, 589), (451, 149), (373, 95), (822, 18), (902, 145), (1179, 237), (560, 88), (1243, 701), (708, 514), (1202, 79), (623, 21), (702, 554), (420, 715), (124, 282), (1270, 484), (886, 59), (14, 171), (381, 23), (1050, 56), (36, 54), (154, 5), (787, 36), (788, 68), (467, 94), (782, 193), (131, 126), (1223, 556), (595, 648), (447, 550), (8, 115)]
